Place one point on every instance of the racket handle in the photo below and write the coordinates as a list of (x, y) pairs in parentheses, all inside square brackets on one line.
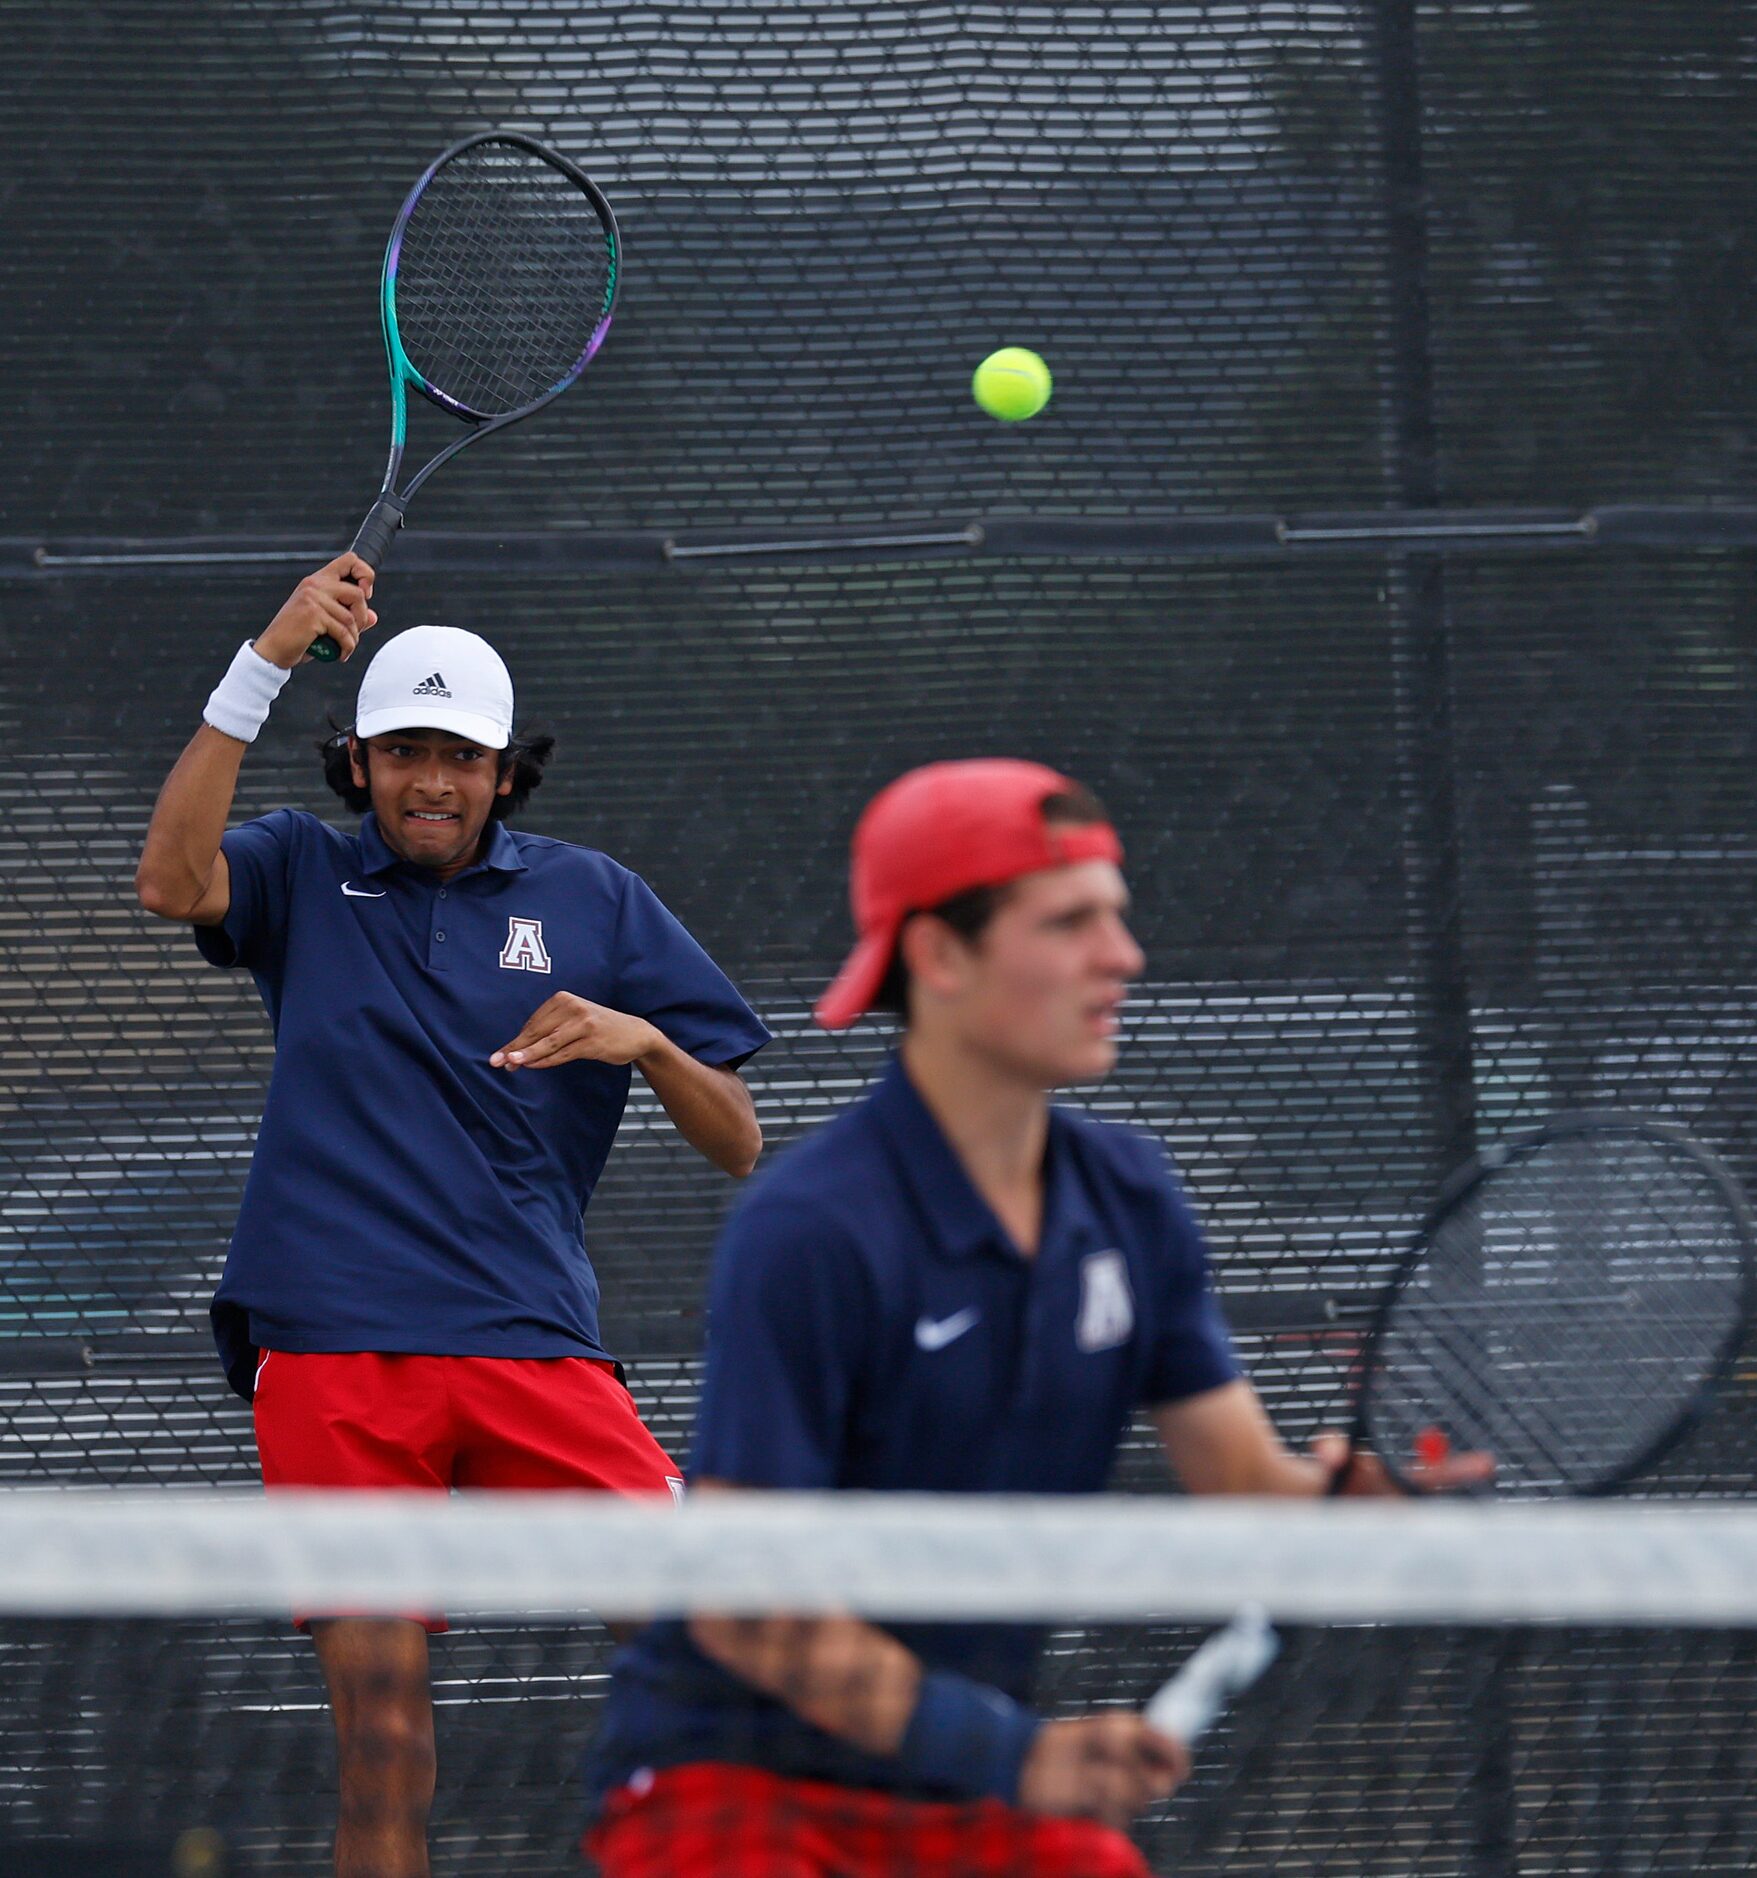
[(1228, 1663), (378, 530), (372, 544)]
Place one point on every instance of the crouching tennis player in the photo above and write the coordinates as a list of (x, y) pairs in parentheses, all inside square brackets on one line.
[(456, 1008), (953, 1287)]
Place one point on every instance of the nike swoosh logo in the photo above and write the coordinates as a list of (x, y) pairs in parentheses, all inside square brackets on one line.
[(935, 1334), (361, 893)]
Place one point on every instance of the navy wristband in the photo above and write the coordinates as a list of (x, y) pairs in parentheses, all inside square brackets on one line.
[(967, 1737)]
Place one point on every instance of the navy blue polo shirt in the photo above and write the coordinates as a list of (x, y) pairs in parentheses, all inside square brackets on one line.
[(872, 1326), (404, 1196)]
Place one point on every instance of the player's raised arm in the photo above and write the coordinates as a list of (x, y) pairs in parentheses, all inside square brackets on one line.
[(182, 873)]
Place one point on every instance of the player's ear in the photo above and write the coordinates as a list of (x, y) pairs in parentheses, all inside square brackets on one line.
[(357, 762), (938, 959), (509, 770)]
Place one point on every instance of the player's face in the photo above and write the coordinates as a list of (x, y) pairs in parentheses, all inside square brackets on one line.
[(432, 792), (1043, 986)]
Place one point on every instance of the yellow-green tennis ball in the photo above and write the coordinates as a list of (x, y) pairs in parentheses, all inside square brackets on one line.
[(1012, 384)]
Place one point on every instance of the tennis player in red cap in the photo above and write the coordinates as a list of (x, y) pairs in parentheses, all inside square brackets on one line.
[(953, 1287)]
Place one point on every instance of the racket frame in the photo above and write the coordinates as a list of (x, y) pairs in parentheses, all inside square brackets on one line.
[(1464, 1185), (375, 534)]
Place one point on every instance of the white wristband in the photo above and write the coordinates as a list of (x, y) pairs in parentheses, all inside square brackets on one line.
[(240, 701)]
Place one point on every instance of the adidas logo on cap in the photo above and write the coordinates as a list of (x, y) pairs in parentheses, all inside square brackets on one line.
[(436, 678)]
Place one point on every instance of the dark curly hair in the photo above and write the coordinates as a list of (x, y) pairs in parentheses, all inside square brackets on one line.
[(524, 757)]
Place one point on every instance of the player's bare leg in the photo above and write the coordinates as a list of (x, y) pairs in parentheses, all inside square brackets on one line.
[(377, 1672)]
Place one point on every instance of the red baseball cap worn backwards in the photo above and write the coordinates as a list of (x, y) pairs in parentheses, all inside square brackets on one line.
[(940, 831)]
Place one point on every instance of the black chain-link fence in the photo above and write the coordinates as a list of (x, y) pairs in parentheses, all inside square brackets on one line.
[(1381, 1751), (1382, 560)]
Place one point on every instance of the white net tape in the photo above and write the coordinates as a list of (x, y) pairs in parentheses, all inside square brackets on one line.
[(895, 1556)]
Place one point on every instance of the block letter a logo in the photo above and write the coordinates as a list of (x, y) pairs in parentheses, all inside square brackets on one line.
[(523, 951)]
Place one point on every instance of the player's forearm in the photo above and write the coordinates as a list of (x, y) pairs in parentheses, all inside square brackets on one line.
[(181, 851), (844, 1676), (1290, 1475), (1272, 1471), (861, 1685), (1222, 1441), (709, 1107)]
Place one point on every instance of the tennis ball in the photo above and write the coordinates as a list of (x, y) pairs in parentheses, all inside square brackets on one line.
[(1012, 384)]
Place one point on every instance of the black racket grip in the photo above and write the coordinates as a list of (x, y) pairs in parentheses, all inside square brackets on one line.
[(372, 544)]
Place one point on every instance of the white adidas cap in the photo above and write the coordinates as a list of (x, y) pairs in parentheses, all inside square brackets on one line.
[(437, 677)]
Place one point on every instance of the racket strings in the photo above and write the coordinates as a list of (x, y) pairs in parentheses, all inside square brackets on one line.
[(1454, 1367), (504, 278), (1566, 1312), (505, 314), (1533, 1425)]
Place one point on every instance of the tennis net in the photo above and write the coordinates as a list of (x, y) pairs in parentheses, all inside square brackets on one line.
[(1461, 1688)]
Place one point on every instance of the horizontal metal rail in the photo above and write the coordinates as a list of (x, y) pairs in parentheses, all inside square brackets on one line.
[(1001, 537)]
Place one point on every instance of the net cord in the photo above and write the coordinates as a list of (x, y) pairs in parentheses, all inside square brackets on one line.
[(890, 1556)]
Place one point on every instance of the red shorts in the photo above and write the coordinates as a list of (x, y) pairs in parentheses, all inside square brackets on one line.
[(709, 1820), (361, 1419)]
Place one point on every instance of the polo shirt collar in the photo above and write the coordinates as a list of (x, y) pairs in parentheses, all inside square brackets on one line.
[(375, 854), (503, 854), (962, 1221)]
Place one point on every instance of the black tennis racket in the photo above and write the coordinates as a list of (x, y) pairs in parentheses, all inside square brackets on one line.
[(499, 282), (1570, 1307)]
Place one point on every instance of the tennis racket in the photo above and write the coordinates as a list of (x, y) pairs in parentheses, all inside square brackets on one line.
[(1226, 1665), (1570, 1307), (499, 282)]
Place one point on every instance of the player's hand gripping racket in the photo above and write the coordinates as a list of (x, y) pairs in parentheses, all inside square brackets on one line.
[(1226, 1665), (1569, 1308), (499, 281)]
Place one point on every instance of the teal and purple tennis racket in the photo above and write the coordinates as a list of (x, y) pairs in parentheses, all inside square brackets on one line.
[(499, 282)]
